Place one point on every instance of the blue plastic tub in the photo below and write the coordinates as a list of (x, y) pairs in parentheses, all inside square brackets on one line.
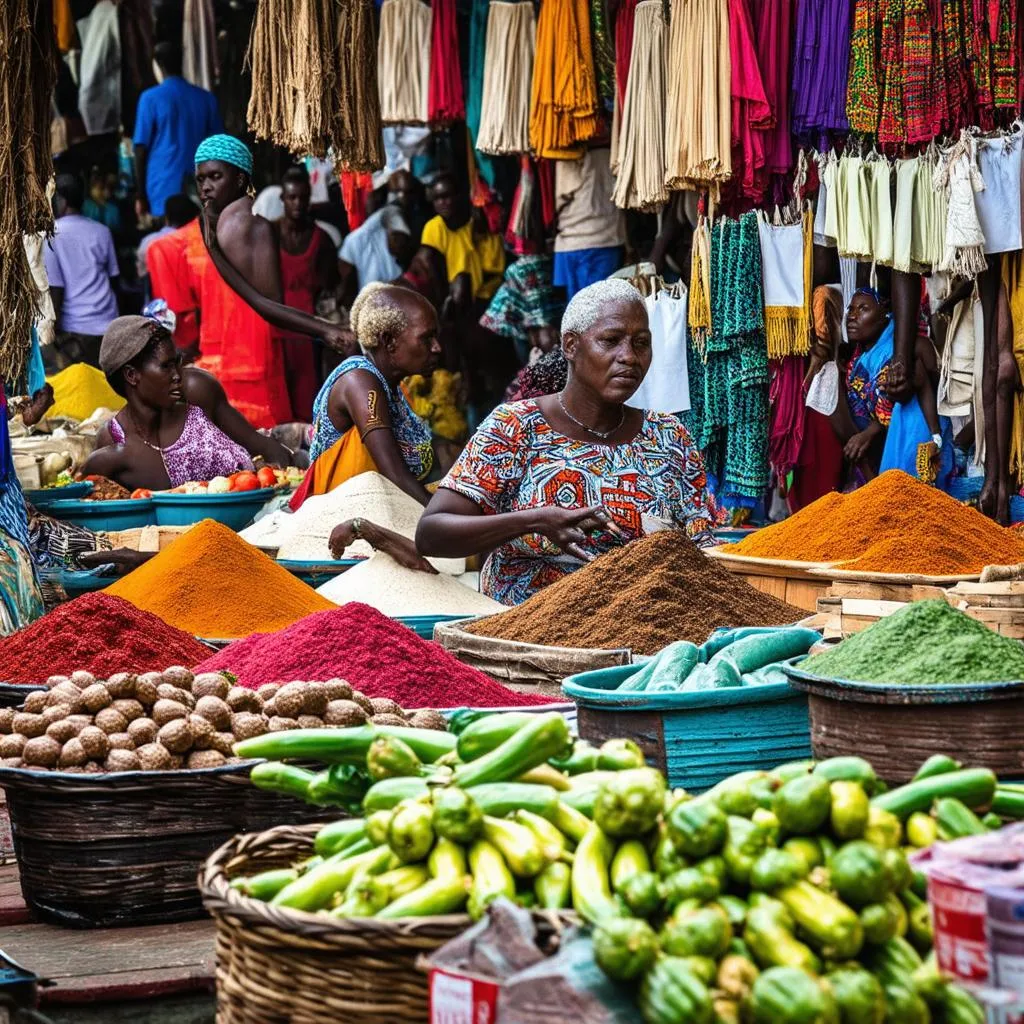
[(696, 739), (423, 625), (69, 492), (236, 509), (317, 573), (104, 515)]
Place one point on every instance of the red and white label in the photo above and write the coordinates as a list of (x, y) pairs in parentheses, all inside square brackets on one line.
[(459, 999), (958, 915)]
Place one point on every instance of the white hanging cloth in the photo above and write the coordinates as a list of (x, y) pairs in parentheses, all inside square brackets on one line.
[(666, 388)]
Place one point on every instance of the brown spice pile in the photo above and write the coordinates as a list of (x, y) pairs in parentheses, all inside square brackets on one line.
[(642, 596)]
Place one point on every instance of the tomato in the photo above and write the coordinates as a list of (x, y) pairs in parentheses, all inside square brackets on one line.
[(245, 482), (142, 492), (267, 477)]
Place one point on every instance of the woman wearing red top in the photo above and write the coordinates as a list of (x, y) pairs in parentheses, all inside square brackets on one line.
[(309, 265)]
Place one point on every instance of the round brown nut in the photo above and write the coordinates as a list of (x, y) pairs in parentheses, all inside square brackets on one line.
[(270, 707), (35, 702), (177, 761), (314, 701), (12, 745), (211, 684), (111, 720), (6, 719), (215, 710), (205, 759), (42, 752), (29, 725), (279, 724), (178, 675), (165, 711), (122, 760), (55, 713), (94, 742), (338, 689), (130, 708), (289, 700), (310, 722), (363, 702), (168, 691), (121, 685), (153, 757), (245, 725), (67, 694), (385, 706), (241, 699), (72, 754), (428, 718), (82, 679), (142, 731), (95, 698), (63, 730), (223, 742), (55, 680), (121, 741), (202, 730), (345, 713), (267, 691), (145, 689), (388, 720), (176, 736)]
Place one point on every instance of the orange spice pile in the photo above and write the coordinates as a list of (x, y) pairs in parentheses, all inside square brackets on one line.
[(893, 524)]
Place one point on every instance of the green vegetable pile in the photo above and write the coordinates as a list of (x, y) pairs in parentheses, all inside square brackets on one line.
[(925, 642), (746, 656)]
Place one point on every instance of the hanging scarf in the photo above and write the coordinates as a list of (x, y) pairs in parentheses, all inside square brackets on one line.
[(444, 94), (786, 254)]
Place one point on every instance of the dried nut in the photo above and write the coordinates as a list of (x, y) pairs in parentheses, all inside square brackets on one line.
[(61, 731), (290, 700), (210, 684), (94, 742), (385, 706), (42, 751), (121, 741), (12, 745), (121, 685), (142, 731), (202, 730), (111, 720), (154, 757), (96, 697), (223, 742), (338, 689), (6, 719), (310, 722), (168, 691), (315, 700), (165, 711), (279, 724), (29, 725), (35, 702), (241, 699), (345, 713), (122, 760), (11, 762), (216, 710), (177, 761), (428, 718), (363, 702), (130, 708), (55, 680), (205, 759), (176, 736), (245, 725), (388, 720), (145, 689), (72, 754), (82, 679), (267, 691), (55, 713), (67, 694), (178, 675)]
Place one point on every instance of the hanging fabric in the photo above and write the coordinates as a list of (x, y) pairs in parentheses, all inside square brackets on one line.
[(403, 61), (699, 313), (854, 189), (508, 69), (959, 387), (478, 18), (786, 430), (959, 177), (604, 54), (880, 186), (786, 251), (445, 103), (773, 31), (752, 117), (698, 118), (563, 93), (518, 236), (624, 22), (999, 204), (99, 73), (199, 44), (640, 182), (1013, 282), (666, 388), (821, 55)]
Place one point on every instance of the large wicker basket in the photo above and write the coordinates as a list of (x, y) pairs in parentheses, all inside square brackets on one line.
[(278, 966), (123, 848)]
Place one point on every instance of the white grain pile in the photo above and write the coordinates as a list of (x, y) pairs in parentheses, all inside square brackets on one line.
[(394, 590), (303, 535)]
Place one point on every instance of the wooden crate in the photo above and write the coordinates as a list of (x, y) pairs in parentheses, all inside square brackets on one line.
[(1000, 605), (146, 538), (855, 605), (794, 586)]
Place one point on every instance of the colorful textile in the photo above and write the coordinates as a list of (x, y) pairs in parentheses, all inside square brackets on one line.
[(444, 95), (604, 54), (467, 253), (863, 98), (411, 433), (168, 272), (821, 56), (773, 32), (786, 395), (227, 149), (201, 452), (819, 467), (525, 299), (892, 126), (623, 46), (752, 116), (478, 17), (575, 270), (866, 380), (516, 460)]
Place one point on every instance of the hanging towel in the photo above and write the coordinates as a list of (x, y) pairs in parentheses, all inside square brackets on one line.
[(880, 173), (999, 205), (99, 75), (784, 252), (403, 61), (666, 388), (508, 69)]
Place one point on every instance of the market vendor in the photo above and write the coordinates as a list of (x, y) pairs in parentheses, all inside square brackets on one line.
[(549, 483), (177, 425), (362, 420)]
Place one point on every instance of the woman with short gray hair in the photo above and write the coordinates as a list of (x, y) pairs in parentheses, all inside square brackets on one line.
[(547, 484)]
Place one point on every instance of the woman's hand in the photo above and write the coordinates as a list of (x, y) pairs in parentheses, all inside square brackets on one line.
[(858, 446), (340, 339), (401, 549), (124, 560), (568, 527)]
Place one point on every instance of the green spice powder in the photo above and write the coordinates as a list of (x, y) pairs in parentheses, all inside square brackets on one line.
[(925, 642)]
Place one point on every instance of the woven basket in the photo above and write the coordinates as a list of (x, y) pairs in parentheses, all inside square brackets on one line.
[(276, 965), (123, 848)]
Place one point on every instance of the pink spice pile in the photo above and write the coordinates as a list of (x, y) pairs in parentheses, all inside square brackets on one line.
[(375, 654)]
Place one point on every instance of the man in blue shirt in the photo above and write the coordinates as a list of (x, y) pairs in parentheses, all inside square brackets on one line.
[(172, 119)]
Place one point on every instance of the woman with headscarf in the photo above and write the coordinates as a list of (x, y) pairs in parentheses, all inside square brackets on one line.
[(549, 483), (362, 420), (177, 424)]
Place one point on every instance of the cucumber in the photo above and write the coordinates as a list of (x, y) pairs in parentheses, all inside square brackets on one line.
[(937, 764), (502, 798), (389, 793), (486, 734), (1008, 803), (974, 786), (438, 896), (546, 735), (955, 820), (336, 836)]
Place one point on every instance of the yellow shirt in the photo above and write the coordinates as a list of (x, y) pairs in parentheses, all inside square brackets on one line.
[(463, 255)]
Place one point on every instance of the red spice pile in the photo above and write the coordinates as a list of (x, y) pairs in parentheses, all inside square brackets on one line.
[(374, 654), (95, 633)]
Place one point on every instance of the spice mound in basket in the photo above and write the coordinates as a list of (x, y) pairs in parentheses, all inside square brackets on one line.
[(94, 633), (174, 719), (643, 596), (381, 657), (894, 524), (926, 642), (211, 583)]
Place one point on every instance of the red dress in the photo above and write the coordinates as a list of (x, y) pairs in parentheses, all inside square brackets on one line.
[(299, 286)]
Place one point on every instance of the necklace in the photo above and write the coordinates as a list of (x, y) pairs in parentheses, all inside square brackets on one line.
[(603, 434), (142, 436)]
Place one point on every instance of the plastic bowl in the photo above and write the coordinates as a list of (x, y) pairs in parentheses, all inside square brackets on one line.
[(101, 516), (236, 509), (69, 492), (317, 573)]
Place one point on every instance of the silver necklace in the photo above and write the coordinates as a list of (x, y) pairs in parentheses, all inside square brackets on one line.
[(603, 434)]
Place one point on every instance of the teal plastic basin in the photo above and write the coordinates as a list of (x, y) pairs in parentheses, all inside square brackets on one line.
[(236, 510), (102, 516)]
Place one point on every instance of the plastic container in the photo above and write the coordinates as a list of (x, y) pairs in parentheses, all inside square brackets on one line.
[(236, 509), (44, 496), (1004, 913), (697, 739), (101, 516), (317, 573), (423, 625)]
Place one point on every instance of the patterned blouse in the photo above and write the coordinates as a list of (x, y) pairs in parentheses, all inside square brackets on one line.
[(867, 382), (516, 460)]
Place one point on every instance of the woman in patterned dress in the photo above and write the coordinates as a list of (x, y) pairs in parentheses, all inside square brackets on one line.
[(549, 483)]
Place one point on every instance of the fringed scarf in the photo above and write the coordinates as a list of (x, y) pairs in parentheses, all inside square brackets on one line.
[(786, 253)]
